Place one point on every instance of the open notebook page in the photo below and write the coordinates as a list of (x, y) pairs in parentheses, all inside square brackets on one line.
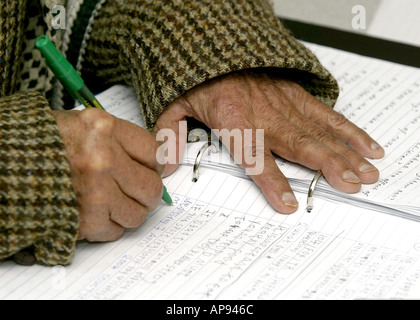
[(381, 97), (221, 240), (121, 101)]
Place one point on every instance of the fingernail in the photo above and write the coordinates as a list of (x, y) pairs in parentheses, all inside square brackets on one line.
[(364, 168), (289, 199), (375, 147), (350, 176)]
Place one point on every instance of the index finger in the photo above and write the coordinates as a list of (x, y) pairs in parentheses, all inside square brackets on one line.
[(139, 144)]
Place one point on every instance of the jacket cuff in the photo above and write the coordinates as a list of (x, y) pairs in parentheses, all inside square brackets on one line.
[(169, 47), (38, 205)]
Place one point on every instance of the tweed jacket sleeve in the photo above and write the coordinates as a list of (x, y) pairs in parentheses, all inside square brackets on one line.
[(161, 47), (164, 48), (38, 205)]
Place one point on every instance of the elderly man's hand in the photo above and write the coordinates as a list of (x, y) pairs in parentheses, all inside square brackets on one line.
[(297, 127), (116, 175)]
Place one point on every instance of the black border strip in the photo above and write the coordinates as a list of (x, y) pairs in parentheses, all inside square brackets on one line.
[(357, 43)]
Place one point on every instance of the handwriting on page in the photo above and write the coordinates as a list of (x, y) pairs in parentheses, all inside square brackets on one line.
[(222, 240), (383, 98), (227, 251), (220, 250)]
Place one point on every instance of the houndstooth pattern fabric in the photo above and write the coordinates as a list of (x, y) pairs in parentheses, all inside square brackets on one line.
[(35, 75), (38, 206), (162, 48), (12, 15)]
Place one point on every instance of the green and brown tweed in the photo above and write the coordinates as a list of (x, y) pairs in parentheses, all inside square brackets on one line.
[(38, 203), (162, 48)]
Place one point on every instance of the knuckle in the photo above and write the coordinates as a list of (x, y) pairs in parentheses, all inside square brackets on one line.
[(149, 193), (321, 136), (97, 197), (136, 218), (335, 163), (97, 121), (336, 120), (95, 154), (94, 226), (100, 162), (93, 160), (300, 141), (139, 218), (154, 191), (115, 235), (160, 169), (156, 187)]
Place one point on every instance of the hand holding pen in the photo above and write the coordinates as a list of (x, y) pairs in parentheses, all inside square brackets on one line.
[(116, 175)]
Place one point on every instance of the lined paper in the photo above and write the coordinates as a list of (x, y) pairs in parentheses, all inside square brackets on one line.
[(121, 101), (381, 97), (221, 240)]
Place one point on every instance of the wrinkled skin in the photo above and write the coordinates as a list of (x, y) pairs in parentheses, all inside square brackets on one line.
[(117, 176), (297, 127)]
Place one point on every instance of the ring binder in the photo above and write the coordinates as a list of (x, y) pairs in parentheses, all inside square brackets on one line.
[(311, 191), (213, 149), (200, 154)]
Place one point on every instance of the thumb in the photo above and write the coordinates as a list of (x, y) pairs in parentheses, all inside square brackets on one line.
[(171, 129)]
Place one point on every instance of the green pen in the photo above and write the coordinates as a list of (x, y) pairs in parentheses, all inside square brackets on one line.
[(65, 72), (73, 83)]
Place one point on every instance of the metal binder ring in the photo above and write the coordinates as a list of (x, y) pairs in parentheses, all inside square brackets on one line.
[(199, 156), (311, 191)]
